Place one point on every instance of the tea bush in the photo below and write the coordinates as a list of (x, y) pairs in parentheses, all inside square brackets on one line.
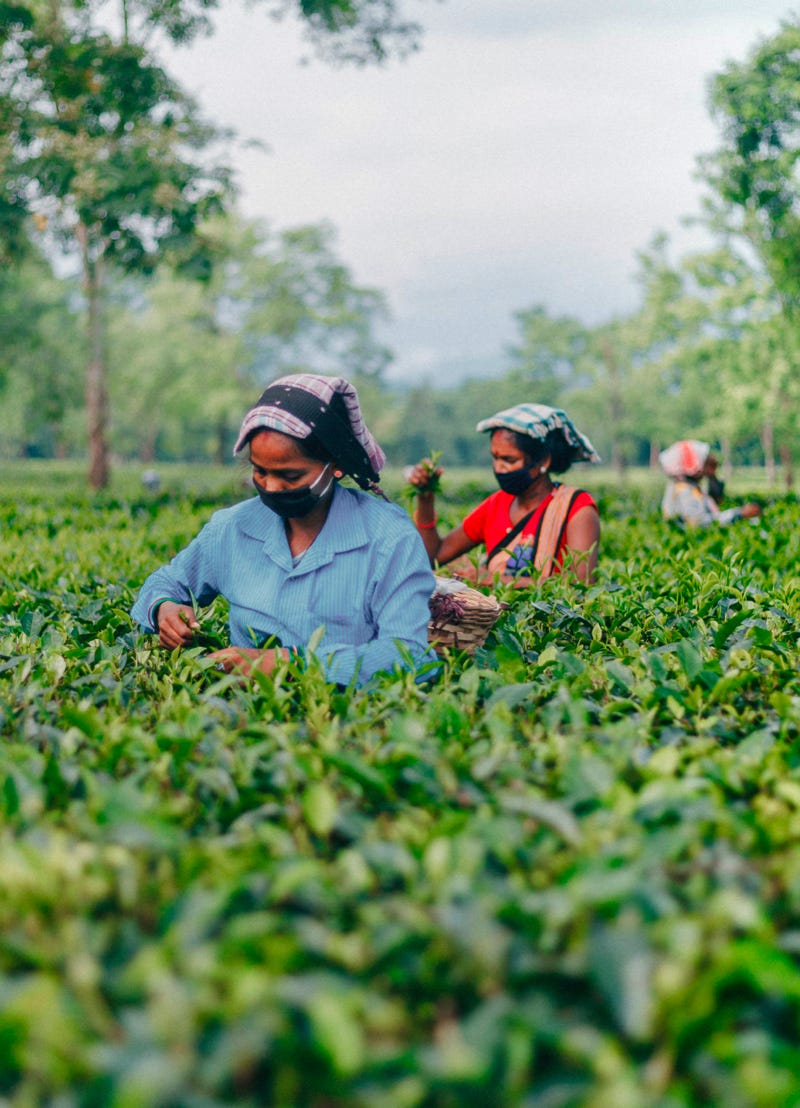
[(568, 873)]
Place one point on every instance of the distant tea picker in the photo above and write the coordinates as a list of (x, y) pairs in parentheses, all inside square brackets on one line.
[(534, 526), (686, 463)]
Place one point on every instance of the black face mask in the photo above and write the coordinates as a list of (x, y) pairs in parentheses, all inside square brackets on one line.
[(295, 503), (516, 481)]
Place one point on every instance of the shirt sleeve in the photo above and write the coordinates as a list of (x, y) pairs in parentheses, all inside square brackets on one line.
[(728, 515), (402, 588), (475, 523), (189, 576), (582, 500)]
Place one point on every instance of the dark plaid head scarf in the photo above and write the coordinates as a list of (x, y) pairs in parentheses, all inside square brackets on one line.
[(304, 404)]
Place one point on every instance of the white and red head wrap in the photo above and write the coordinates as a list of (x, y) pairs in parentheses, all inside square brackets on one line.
[(685, 458)]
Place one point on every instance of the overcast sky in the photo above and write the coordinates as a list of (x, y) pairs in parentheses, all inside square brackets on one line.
[(522, 157)]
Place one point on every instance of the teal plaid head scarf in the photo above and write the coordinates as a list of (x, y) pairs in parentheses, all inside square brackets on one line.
[(536, 421)]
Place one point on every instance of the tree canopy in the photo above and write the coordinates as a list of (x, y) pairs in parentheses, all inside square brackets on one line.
[(753, 175), (104, 158)]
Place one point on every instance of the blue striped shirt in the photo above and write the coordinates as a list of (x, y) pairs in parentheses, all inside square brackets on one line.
[(365, 579)]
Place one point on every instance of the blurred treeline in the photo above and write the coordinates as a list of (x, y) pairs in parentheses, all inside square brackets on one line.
[(707, 354), (190, 337)]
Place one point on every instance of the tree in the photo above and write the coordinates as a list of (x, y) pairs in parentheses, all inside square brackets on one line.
[(755, 195), (563, 363), (300, 308), (357, 32), (753, 178), (42, 349), (546, 356), (101, 146), (675, 368), (655, 402), (354, 32), (176, 385), (188, 358)]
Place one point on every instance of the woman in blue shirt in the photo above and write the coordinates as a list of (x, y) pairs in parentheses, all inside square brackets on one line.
[(306, 553)]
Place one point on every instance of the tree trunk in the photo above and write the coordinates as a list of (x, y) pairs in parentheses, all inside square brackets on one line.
[(768, 446), (654, 452), (96, 392), (59, 446), (788, 475), (147, 451), (727, 457), (616, 409), (220, 442), (617, 458)]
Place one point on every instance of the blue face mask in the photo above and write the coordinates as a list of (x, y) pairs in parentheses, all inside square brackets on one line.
[(516, 481), (295, 503)]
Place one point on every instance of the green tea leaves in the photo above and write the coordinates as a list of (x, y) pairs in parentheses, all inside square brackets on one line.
[(562, 873)]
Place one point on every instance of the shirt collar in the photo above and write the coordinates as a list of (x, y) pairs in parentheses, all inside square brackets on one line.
[(343, 530)]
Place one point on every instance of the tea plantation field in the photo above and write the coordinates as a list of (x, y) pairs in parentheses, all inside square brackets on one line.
[(566, 874)]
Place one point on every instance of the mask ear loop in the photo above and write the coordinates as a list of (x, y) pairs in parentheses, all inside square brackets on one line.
[(324, 493)]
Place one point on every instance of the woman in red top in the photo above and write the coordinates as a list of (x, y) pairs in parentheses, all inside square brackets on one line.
[(533, 524)]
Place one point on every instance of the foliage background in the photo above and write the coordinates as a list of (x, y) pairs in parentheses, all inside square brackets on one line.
[(566, 873), (182, 311)]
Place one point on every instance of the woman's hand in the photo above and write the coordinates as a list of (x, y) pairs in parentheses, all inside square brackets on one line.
[(424, 476), (245, 659), (177, 624)]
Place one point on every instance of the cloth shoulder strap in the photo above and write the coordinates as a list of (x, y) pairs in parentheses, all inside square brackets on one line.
[(553, 524), (549, 532), (511, 535)]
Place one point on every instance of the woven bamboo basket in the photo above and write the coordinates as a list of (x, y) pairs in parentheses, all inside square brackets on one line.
[(461, 617)]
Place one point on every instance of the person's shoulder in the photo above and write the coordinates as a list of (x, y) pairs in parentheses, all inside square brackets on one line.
[(241, 510), (374, 508), (246, 515), (495, 501), (581, 498)]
